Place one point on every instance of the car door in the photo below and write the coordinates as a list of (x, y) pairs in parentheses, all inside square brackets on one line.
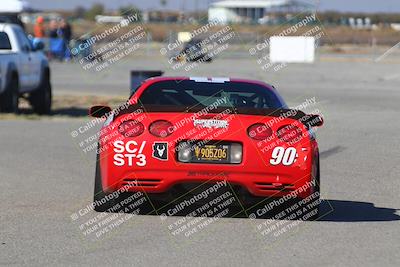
[(27, 71), (34, 61), (36, 69)]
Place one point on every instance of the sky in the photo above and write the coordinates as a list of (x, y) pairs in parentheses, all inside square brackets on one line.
[(338, 5)]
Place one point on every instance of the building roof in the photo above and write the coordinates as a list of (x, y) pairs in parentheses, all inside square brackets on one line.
[(13, 6), (257, 3)]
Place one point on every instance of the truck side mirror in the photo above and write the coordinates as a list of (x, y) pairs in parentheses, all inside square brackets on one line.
[(38, 45)]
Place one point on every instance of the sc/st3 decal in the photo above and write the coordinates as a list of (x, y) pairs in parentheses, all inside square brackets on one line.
[(160, 150), (129, 153)]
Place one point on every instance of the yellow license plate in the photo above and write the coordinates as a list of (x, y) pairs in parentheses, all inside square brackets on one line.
[(211, 153)]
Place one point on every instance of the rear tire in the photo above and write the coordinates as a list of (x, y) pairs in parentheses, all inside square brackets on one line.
[(316, 190), (99, 196), (10, 98), (41, 98)]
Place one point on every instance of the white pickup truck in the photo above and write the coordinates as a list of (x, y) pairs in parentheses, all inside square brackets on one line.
[(24, 71)]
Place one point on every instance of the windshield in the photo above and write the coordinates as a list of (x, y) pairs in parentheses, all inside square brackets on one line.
[(189, 93)]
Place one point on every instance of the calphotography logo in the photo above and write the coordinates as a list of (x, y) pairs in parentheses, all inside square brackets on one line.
[(160, 150)]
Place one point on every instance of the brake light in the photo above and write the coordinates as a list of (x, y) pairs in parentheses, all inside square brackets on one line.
[(131, 128), (259, 131), (161, 128), (289, 133)]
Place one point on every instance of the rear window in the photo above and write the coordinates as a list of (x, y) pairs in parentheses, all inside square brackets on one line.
[(189, 93), (4, 41)]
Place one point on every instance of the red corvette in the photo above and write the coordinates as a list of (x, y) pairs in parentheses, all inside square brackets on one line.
[(180, 130)]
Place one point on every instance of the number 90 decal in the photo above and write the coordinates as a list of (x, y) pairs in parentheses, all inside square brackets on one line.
[(285, 156)]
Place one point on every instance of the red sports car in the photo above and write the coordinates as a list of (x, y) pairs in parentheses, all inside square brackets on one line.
[(176, 130)]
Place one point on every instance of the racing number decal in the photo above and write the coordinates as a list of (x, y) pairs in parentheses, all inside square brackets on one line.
[(129, 153), (285, 156)]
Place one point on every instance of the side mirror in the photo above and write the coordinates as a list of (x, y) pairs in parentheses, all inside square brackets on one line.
[(38, 45), (99, 111), (315, 120)]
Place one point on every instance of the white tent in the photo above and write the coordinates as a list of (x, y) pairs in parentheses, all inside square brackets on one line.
[(14, 6)]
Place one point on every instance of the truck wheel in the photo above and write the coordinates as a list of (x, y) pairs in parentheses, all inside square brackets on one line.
[(10, 98), (40, 99)]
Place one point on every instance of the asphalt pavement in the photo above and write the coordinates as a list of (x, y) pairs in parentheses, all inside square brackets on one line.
[(46, 178)]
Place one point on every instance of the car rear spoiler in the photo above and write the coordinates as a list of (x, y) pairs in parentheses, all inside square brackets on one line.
[(271, 112)]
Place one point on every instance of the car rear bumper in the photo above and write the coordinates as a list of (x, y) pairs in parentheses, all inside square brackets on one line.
[(155, 180)]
